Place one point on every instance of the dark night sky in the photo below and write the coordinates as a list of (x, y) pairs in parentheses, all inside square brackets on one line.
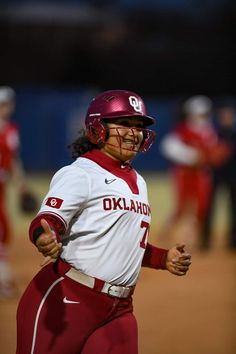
[(153, 50)]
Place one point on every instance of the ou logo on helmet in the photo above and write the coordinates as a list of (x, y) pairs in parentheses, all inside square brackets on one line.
[(135, 103)]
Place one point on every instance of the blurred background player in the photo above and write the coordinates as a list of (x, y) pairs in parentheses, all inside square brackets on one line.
[(10, 165), (191, 147), (225, 174)]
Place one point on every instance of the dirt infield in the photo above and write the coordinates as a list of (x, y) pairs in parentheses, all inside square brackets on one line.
[(195, 314)]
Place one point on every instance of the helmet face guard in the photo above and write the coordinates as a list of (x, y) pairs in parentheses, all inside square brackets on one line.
[(99, 135), (116, 104)]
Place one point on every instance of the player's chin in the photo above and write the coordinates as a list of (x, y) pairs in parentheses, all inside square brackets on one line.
[(128, 153)]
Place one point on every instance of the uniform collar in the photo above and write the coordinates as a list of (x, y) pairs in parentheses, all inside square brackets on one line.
[(117, 168), (106, 161)]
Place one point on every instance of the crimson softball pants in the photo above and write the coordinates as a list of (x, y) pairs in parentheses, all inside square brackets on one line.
[(57, 315), (194, 186)]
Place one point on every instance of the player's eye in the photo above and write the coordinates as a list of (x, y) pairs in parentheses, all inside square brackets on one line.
[(129, 123), (139, 125), (124, 123)]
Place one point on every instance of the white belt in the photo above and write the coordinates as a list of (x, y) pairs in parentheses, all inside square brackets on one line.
[(110, 289)]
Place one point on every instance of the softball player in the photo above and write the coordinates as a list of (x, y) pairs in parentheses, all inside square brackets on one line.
[(94, 221), (10, 165), (191, 147)]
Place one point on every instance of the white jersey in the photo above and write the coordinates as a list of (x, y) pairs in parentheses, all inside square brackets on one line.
[(106, 223)]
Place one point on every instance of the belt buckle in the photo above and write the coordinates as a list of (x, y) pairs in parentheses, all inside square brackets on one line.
[(123, 292), (111, 292)]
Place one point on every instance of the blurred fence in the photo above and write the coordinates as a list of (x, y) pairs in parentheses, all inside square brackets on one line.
[(50, 119)]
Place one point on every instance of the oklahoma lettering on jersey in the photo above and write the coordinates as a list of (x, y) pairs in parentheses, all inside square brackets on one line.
[(123, 204), (107, 223)]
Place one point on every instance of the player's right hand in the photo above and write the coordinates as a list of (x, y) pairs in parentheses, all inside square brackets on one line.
[(47, 244)]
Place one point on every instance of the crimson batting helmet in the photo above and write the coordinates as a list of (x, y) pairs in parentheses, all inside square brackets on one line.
[(116, 104)]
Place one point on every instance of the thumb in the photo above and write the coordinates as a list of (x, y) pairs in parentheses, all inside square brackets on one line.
[(180, 247), (45, 226)]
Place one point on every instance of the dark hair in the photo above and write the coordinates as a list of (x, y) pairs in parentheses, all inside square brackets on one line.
[(81, 145)]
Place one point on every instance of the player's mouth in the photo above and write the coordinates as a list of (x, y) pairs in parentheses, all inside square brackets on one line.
[(130, 144), (130, 141)]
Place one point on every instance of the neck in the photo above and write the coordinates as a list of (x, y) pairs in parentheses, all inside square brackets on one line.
[(103, 150)]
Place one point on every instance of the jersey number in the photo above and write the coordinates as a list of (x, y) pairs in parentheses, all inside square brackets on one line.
[(144, 225)]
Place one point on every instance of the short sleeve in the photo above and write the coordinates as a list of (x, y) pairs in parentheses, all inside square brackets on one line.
[(68, 193)]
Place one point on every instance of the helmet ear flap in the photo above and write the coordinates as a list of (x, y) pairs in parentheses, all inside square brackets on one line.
[(97, 133)]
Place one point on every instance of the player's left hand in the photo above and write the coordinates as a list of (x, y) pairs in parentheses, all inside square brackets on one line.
[(178, 261)]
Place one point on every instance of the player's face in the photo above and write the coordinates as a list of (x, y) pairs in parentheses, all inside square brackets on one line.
[(6, 110), (125, 138)]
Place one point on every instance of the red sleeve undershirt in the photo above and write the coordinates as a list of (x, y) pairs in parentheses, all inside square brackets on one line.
[(154, 257), (55, 224)]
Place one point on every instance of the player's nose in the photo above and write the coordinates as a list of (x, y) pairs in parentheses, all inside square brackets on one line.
[(132, 131), (135, 133)]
